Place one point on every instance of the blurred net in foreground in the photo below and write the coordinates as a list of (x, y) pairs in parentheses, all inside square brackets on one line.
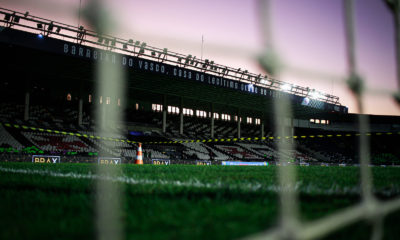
[(110, 80)]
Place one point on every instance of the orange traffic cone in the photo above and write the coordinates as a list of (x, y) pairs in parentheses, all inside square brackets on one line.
[(139, 155)]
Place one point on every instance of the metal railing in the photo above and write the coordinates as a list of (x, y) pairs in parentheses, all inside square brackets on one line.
[(83, 36)]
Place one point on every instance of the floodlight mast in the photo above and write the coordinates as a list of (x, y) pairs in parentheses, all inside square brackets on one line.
[(87, 37)]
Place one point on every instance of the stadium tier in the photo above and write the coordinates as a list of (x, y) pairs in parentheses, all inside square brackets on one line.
[(180, 107)]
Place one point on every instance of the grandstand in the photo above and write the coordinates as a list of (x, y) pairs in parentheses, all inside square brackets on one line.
[(171, 98), (184, 110)]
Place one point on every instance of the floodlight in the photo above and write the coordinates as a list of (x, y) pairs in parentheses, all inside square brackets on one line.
[(143, 45), (315, 95), (50, 27), (286, 87), (39, 26), (165, 50), (16, 19), (188, 58), (7, 17), (40, 36)]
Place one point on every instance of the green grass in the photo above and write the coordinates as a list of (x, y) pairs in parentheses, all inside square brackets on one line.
[(226, 202)]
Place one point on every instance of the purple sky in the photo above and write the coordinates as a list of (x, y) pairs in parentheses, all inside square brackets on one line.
[(307, 34)]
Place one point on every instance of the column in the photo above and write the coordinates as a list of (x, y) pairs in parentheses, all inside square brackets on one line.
[(238, 123), (181, 117), (212, 121), (26, 107), (164, 117)]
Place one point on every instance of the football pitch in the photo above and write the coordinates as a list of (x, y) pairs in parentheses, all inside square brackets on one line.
[(57, 201)]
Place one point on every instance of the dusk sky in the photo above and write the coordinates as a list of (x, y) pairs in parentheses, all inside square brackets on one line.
[(307, 34)]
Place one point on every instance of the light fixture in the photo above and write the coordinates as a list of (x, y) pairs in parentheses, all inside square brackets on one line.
[(130, 41), (26, 14), (7, 17), (286, 87), (315, 95), (39, 26), (50, 27), (137, 43), (40, 36), (16, 19)]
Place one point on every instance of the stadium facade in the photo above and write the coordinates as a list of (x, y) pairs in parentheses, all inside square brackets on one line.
[(49, 83)]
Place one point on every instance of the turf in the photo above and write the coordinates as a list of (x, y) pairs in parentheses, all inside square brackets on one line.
[(180, 201)]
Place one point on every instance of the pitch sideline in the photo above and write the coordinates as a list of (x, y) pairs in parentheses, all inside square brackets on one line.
[(249, 187)]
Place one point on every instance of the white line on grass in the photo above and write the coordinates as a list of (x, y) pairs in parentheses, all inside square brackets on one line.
[(194, 183)]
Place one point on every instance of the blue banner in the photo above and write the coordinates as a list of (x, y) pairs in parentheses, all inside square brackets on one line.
[(233, 163)]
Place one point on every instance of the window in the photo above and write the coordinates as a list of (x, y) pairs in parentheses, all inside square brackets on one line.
[(119, 102), (69, 97), (200, 113), (108, 100), (90, 98), (187, 111), (216, 115), (312, 120), (173, 109), (101, 99), (154, 107), (225, 117), (257, 121), (249, 120)]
